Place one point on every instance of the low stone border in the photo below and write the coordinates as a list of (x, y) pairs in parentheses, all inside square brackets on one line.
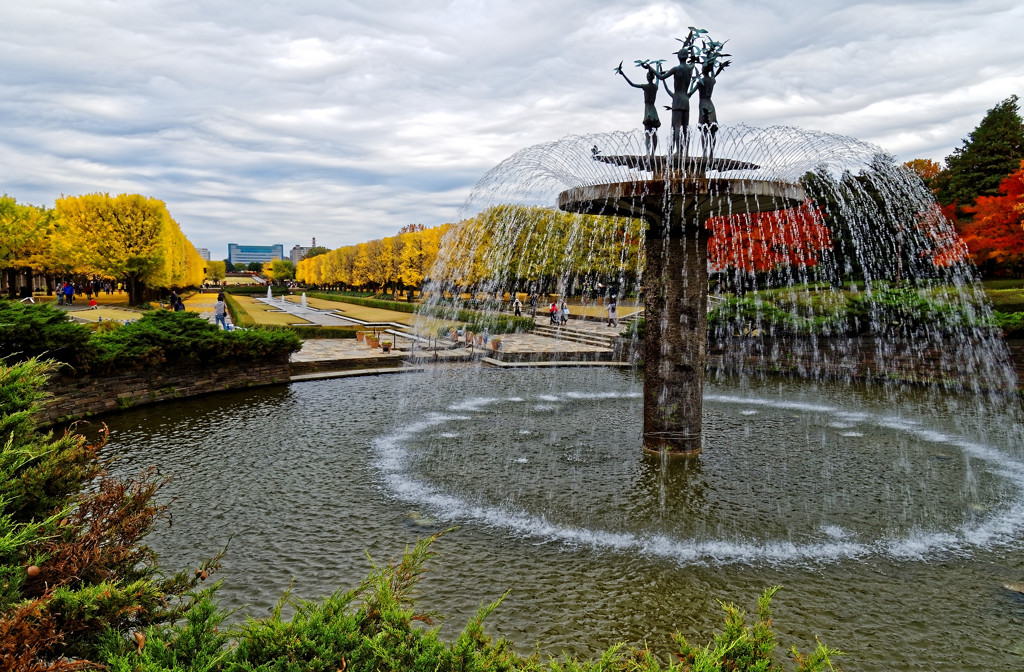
[(76, 397)]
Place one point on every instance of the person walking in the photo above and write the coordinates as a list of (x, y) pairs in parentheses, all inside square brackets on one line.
[(517, 307), (565, 312), (69, 294), (613, 320), (220, 310)]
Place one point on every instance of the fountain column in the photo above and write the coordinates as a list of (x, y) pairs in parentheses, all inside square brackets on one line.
[(676, 204), (675, 331)]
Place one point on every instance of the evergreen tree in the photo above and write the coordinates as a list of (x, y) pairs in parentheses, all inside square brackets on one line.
[(991, 152)]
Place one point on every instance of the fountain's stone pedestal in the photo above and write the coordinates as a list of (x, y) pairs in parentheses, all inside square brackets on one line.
[(676, 205)]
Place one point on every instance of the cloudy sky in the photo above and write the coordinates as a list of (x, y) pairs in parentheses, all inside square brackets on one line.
[(273, 121)]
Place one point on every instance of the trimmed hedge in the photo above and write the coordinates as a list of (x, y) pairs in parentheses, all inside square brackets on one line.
[(383, 304), (40, 330), (475, 321), (239, 315), (158, 337)]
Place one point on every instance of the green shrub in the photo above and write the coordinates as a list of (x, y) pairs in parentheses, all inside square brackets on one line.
[(903, 310), (40, 330), (315, 331), (252, 290), (1012, 324), (750, 315), (72, 562), (384, 304), (375, 626), (637, 329), (239, 315), (165, 336), (1006, 300)]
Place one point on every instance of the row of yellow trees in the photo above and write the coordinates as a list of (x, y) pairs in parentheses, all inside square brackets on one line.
[(127, 238), (402, 260), (510, 246)]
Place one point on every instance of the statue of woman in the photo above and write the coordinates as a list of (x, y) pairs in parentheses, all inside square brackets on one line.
[(681, 75), (651, 120), (707, 119)]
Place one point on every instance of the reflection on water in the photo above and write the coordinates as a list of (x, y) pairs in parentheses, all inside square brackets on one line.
[(881, 519)]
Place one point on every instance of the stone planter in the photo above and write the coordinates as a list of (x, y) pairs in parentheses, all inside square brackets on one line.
[(373, 342)]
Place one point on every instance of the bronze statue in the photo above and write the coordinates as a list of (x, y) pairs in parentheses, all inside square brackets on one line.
[(709, 55), (651, 120), (681, 75), (707, 118)]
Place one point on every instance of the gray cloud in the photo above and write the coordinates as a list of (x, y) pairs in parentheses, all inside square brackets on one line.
[(277, 121)]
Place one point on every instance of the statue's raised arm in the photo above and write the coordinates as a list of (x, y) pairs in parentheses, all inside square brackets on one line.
[(651, 121)]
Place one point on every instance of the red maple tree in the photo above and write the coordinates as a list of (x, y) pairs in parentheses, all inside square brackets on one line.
[(995, 233), (762, 241)]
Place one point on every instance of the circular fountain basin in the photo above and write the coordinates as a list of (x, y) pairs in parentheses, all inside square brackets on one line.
[(881, 514)]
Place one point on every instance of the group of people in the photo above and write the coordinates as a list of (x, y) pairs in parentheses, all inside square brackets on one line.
[(559, 312), (67, 291), (176, 303)]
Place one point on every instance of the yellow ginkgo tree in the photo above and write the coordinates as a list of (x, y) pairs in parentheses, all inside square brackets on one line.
[(24, 240), (129, 237)]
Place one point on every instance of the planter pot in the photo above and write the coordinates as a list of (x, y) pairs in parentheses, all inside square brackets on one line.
[(373, 342), (386, 348), (360, 335), (496, 344)]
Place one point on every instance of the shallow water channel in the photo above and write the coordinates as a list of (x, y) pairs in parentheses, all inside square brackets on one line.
[(893, 521)]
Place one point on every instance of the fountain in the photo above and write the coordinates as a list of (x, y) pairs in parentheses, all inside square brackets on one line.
[(270, 294), (302, 300), (717, 177), (675, 202)]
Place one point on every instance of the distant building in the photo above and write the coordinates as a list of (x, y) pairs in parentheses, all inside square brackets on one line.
[(204, 253), (246, 254), (299, 253)]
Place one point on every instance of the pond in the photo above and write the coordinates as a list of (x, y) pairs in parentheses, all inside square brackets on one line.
[(892, 519)]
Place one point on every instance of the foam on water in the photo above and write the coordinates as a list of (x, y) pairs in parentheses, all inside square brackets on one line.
[(394, 455)]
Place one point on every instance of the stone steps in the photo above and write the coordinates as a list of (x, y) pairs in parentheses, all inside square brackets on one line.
[(568, 333)]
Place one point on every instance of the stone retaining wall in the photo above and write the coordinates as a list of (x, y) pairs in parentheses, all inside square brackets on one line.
[(855, 358), (81, 396)]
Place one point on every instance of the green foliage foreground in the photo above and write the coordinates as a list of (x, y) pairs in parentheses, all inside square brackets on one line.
[(376, 626), (80, 591)]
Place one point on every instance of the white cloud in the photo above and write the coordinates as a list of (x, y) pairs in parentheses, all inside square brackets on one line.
[(277, 121)]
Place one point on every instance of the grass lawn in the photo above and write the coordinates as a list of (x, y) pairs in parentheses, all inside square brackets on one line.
[(200, 303), (241, 281), (356, 312), (106, 313), (261, 312)]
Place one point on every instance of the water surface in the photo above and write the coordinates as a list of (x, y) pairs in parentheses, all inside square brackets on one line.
[(892, 519)]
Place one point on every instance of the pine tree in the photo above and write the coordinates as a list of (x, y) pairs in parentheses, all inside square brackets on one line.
[(991, 152)]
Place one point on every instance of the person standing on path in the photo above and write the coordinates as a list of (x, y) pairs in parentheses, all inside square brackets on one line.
[(69, 294), (517, 307), (220, 310), (612, 318), (565, 312)]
